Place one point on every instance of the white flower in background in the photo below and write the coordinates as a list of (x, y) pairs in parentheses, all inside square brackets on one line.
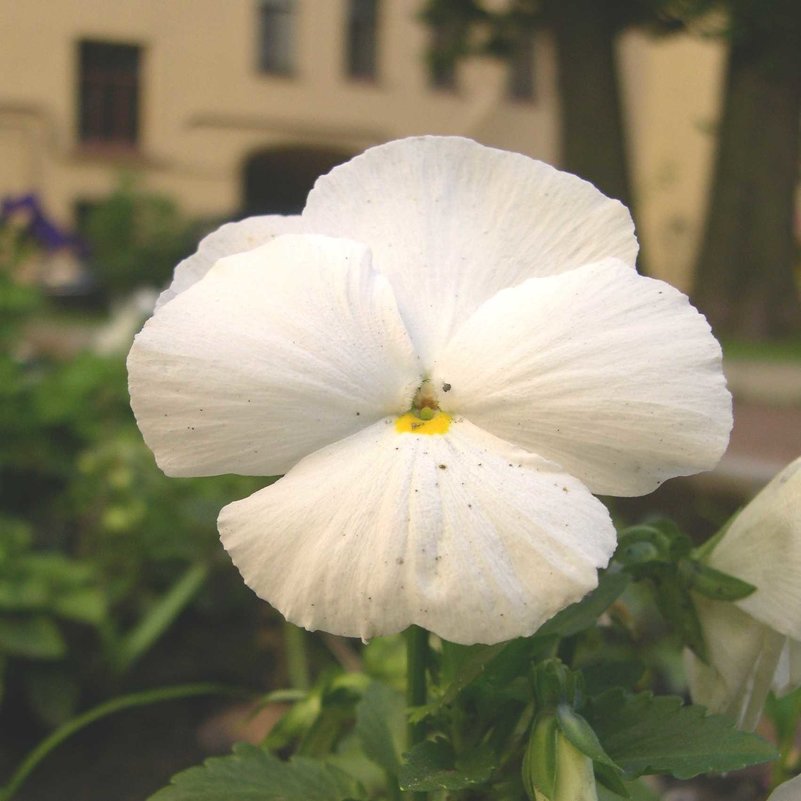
[(447, 354), (754, 644), (789, 791)]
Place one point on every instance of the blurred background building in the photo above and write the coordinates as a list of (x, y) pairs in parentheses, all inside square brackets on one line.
[(235, 108)]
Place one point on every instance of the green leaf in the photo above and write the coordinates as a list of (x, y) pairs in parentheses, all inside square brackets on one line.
[(463, 664), (31, 637), (602, 676), (296, 722), (581, 735), (251, 774), (585, 613), (23, 593), (675, 603), (635, 790), (713, 583), (161, 616), (611, 779), (432, 765), (85, 605), (52, 693), (379, 718), (657, 734)]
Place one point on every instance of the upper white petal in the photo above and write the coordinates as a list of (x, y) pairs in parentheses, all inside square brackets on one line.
[(612, 375), (275, 353), (227, 240), (460, 533), (789, 791), (451, 222), (744, 655), (763, 547)]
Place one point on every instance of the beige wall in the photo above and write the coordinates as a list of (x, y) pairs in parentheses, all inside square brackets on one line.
[(672, 96), (206, 107)]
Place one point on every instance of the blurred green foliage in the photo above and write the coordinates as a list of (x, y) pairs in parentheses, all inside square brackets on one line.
[(136, 238), (99, 551)]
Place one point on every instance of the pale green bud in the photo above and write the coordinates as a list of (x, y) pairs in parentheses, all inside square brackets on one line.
[(554, 769)]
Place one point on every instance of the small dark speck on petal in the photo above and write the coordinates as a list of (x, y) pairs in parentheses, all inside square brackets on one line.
[(446, 387), (443, 466)]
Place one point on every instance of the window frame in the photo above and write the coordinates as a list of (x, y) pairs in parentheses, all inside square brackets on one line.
[(109, 94), (276, 25), (362, 26)]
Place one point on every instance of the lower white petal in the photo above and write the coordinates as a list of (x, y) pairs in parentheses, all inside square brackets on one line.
[(763, 547), (461, 533), (275, 353), (612, 375), (743, 656), (228, 239)]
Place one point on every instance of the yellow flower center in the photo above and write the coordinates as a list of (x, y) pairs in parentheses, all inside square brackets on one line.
[(425, 416), (410, 423)]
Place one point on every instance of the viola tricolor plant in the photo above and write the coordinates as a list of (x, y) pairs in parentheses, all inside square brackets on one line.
[(446, 356)]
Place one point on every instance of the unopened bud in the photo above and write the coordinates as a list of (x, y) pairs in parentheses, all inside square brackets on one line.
[(554, 769)]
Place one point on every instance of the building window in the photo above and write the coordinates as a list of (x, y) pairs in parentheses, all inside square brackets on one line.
[(276, 30), (109, 93), (362, 39), (521, 84)]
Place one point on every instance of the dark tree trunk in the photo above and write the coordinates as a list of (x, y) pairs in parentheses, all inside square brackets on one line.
[(745, 274), (593, 138)]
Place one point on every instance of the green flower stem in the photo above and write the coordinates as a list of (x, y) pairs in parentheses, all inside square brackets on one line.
[(416, 658), (145, 698), (297, 659)]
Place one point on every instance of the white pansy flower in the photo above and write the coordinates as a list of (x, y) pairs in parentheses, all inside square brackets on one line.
[(754, 644), (446, 355), (789, 791)]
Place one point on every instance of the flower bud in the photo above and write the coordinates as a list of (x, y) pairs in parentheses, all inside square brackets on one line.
[(754, 644), (554, 769)]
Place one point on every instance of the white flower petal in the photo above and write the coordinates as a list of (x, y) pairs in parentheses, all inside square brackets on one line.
[(460, 533), (274, 354), (763, 547), (788, 671), (611, 375), (227, 240), (451, 222), (789, 791), (744, 655)]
